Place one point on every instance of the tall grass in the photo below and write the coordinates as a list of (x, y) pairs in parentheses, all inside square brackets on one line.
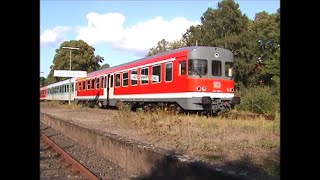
[(216, 140)]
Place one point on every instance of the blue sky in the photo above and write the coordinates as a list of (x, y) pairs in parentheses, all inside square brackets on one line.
[(123, 31)]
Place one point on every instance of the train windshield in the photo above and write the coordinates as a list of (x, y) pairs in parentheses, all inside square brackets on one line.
[(197, 67)]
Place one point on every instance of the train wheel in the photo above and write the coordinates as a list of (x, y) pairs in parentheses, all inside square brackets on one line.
[(175, 108), (147, 108)]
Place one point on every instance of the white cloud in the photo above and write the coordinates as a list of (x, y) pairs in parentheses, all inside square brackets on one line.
[(52, 37), (138, 38), (102, 28)]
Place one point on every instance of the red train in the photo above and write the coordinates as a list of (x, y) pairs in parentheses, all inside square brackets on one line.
[(186, 79)]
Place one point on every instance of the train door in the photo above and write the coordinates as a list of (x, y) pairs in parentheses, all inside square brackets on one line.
[(110, 87)]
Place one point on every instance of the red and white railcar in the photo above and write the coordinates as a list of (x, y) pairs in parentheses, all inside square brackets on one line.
[(191, 78), (43, 93)]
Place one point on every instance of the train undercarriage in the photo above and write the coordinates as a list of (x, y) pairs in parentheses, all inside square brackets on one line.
[(204, 105)]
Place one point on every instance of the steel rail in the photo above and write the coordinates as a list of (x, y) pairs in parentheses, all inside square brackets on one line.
[(70, 159)]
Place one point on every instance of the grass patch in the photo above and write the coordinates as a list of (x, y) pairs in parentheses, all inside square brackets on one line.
[(213, 139)]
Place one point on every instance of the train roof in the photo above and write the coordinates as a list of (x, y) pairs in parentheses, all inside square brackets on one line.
[(189, 48), (60, 83)]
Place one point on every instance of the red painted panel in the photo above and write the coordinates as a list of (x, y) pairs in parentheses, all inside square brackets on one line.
[(91, 92)]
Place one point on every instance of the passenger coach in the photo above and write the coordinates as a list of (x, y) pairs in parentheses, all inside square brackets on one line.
[(191, 79)]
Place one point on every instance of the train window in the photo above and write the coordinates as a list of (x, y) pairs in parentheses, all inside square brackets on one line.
[(228, 69), (111, 81), (156, 74), (72, 87), (68, 88), (144, 75), (134, 77), (216, 68), (182, 68), (106, 82), (117, 80), (125, 79), (88, 84), (168, 71), (83, 85), (92, 83), (79, 85), (97, 83), (102, 82), (197, 67)]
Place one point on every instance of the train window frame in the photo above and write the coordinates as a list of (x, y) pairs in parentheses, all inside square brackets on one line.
[(147, 81), (165, 72), (132, 80), (117, 83), (159, 75), (182, 70), (213, 62), (125, 79)]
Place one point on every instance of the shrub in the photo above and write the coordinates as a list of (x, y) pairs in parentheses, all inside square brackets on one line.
[(260, 99)]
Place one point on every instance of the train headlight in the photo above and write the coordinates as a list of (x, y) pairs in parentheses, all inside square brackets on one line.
[(204, 88)]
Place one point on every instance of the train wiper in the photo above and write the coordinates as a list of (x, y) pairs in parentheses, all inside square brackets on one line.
[(198, 72)]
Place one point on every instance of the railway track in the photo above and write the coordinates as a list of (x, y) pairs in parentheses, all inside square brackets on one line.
[(58, 164)]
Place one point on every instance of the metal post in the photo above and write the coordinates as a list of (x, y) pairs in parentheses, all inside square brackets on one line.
[(70, 82), (70, 48)]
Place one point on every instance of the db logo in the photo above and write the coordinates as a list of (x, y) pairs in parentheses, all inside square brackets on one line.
[(216, 84)]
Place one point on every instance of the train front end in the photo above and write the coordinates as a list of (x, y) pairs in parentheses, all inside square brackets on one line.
[(210, 80)]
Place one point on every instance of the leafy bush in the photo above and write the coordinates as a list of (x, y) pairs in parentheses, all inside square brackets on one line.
[(260, 99)]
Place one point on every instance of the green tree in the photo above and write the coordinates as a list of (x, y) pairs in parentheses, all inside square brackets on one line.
[(163, 46), (219, 27), (82, 59), (42, 81), (257, 60), (104, 66), (177, 44), (194, 36)]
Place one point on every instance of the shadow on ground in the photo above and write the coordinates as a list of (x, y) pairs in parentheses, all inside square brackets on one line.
[(241, 169)]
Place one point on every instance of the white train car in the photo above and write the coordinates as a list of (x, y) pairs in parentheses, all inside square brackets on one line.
[(59, 91)]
